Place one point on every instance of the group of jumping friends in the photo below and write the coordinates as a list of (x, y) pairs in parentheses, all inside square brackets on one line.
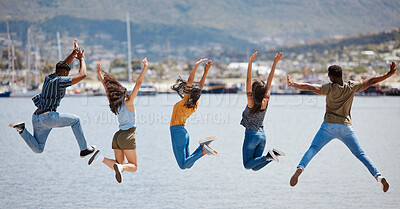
[(337, 122)]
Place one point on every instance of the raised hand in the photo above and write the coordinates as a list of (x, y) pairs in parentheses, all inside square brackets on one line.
[(253, 57), (208, 65), (98, 68), (200, 61), (76, 47), (288, 82), (278, 57), (80, 54), (392, 68), (144, 61)]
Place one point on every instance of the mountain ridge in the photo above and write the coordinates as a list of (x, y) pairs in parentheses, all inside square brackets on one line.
[(243, 19)]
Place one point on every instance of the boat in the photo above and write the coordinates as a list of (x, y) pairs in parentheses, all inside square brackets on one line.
[(304, 92), (213, 88), (393, 92), (147, 90), (5, 94), (374, 90), (219, 88)]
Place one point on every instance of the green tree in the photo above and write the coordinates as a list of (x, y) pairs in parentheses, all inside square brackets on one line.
[(117, 62)]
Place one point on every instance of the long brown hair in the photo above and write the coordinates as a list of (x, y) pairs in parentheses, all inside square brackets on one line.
[(258, 89), (116, 93), (194, 91)]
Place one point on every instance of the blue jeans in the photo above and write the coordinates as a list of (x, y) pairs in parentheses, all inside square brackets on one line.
[(253, 148), (180, 145), (344, 133), (42, 125)]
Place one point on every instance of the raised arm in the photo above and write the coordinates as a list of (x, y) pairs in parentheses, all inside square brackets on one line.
[(71, 56), (248, 81), (82, 69), (191, 77), (305, 86), (206, 69), (278, 57), (98, 71), (371, 81), (139, 82)]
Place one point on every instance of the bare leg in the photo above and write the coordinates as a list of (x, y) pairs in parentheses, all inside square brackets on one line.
[(119, 155), (131, 156)]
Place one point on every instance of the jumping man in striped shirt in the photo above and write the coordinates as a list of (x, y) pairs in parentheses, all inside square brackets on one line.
[(46, 116)]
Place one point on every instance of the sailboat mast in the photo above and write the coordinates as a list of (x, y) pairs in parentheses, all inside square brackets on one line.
[(59, 46), (28, 54), (37, 59), (10, 58), (128, 33)]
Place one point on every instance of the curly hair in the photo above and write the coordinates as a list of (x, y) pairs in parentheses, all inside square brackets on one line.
[(194, 91), (258, 89), (116, 93)]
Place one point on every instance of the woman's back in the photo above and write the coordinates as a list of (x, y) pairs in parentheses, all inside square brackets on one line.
[(253, 121), (126, 118)]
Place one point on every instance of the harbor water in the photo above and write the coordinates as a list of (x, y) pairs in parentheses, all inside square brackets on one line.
[(59, 178)]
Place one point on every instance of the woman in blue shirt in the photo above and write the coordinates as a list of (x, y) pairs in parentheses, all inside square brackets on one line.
[(122, 105)]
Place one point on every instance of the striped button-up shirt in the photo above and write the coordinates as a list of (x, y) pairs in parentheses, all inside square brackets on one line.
[(53, 91)]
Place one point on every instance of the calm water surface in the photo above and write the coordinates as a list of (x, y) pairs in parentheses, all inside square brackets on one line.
[(59, 178)]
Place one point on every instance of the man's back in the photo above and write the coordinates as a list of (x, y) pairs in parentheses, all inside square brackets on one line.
[(53, 91), (339, 100)]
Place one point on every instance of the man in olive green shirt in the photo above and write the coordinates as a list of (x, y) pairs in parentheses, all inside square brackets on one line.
[(337, 121)]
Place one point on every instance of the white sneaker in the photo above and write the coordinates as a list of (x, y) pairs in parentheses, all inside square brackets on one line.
[(118, 172), (210, 151), (271, 156), (207, 141), (383, 182), (96, 157)]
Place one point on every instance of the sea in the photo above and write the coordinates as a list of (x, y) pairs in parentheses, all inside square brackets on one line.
[(59, 178)]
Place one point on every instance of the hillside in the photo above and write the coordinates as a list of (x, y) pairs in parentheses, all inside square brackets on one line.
[(245, 19), (369, 41)]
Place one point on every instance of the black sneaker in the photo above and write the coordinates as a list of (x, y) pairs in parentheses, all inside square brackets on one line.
[(94, 157), (19, 126), (278, 152), (88, 151), (271, 156), (118, 172)]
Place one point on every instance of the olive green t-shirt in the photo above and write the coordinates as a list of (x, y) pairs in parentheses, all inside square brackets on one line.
[(339, 100)]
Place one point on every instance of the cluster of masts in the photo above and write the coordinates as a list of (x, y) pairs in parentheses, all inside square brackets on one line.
[(33, 50)]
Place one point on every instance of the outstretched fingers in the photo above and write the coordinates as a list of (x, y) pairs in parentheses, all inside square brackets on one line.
[(144, 61), (278, 56), (98, 68), (76, 47), (200, 61), (208, 65), (393, 67), (253, 56)]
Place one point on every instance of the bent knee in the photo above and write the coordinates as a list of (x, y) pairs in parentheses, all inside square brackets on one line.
[(247, 166), (38, 150), (182, 167), (358, 153), (314, 148), (77, 120)]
